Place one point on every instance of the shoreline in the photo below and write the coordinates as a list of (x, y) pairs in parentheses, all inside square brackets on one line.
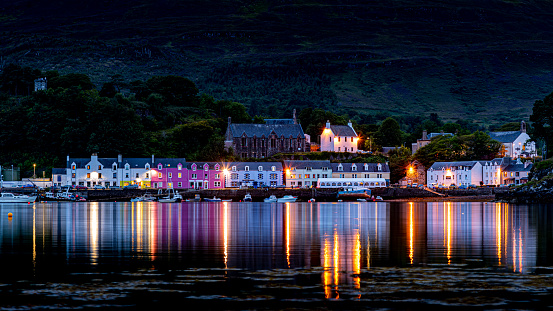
[(475, 198)]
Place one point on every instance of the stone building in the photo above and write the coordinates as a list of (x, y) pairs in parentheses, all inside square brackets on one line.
[(265, 140)]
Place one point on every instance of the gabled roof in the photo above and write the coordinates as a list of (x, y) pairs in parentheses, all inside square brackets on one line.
[(58, 171), (200, 165), (371, 167), (517, 167), (170, 162), (300, 164), (447, 165), (342, 130), (258, 130), (279, 121), (505, 137)]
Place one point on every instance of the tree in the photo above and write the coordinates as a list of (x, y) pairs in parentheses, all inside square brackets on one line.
[(389, 133), (542, 118), (71, 80), (399, 160)]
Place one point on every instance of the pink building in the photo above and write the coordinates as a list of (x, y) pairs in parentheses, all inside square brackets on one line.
[(169, 173), (205, 175)]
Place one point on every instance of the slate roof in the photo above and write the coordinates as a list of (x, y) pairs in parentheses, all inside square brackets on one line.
[(432, 135), (240, 166), (514, 167), (371, 167), (58, 171), (107, 162), (279, 121), (342, 130), (169, 162), (300, 164), (439, 165), (259, 130), (200, 165), (505, 137)]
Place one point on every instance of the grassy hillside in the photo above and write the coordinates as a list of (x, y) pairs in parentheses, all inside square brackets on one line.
[(486, 61)]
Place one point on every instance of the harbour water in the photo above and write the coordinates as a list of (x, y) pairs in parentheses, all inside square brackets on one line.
[(278, 252)]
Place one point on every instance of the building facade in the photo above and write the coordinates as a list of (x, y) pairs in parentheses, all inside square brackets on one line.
[(454, 173), (265, 140), (366, 175), (205, 175), (516, 144), (305, 174), (339, 138), (253, 174)]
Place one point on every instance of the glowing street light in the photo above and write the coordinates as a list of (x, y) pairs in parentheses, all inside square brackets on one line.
[(34, 170)]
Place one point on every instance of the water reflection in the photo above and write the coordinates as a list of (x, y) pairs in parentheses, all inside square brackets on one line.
[(342, 238)]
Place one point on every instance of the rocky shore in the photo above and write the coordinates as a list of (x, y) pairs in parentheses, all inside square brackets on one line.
[(539, 188)]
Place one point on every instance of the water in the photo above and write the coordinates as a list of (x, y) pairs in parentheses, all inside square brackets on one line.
[(323, 246)]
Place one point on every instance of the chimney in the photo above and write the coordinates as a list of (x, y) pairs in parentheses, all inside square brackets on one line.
[(327, 124), (119, 158), (350, 124), (424, 135), (94, 157), (294, 116), (229, 122), (67, 163), (523, 127), (154, 158)]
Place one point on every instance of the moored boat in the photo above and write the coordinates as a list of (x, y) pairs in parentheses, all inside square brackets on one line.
[(270, 199), (355, 193), (247, 197), (214, 199), (7, 197), (287, 198)]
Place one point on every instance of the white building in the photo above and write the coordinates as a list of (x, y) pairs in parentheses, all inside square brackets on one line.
[(516, 143), (107, 172), (491, 172), (305, 173), (368, 175), (454, 173), (339, 138)]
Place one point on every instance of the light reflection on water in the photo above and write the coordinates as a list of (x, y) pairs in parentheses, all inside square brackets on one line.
[(342, 238)]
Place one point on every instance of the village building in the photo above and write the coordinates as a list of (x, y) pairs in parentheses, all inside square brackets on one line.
[(491, 172), (205, 175), (253, 174), (108, 172), (426, 139), (264, 140), (169, 173), (446, 174), (515, 172), (305, 174), (515, 143), (339, 138), (415, 174), (367, 175)]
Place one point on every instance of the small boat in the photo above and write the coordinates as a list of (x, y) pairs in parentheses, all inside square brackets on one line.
[(215, 199), (195, 199), (227, 200), (172, 197), (270, 199), (287, 198), (247, 197), (361, 200), (362, 193), (7, 197), (312, 200)]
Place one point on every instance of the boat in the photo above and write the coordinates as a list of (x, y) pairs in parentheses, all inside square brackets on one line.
[(270, 199), (7, 197), (361, 200), (215, 199), (247, 197), (226, 200), (145, 198), (172, 197), (287, 198), (195, 199), (312, 200), (355, 193)]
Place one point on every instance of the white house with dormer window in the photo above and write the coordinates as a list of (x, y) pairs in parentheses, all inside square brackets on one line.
[(339, 138), (446, 174), (362, 175), (253, 174), (515, 144), (305, 174)]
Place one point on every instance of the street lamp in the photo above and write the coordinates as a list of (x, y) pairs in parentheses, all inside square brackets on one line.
[(34, 170)]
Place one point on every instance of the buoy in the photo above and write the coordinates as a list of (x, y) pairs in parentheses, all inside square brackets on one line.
[(10, 215)]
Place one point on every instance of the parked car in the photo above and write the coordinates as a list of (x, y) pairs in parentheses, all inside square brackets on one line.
[(462, 187), (80, 187), (114, 187), (99, 187), (471, 187), (131, 187)]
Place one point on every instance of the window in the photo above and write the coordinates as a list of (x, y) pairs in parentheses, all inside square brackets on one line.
[(127, 175), (73, 167), (179, 167), (159, 175), (259, 176), (159, 166), (206, 176), (179, 184), (87, 175), (147, 166), (354, 175), (114, 167), (354, 168), (127, 167), (88, 167), (233, 168), (306, 175), (194, 167), (234, 176), (217, 184), (260, 168), (72, 176), (338, 138), (234, 184), (170, 175), (217, 176), (338, 148), (246, 176), (99, 175), (247, 168), (273, 176), (341, 175), (194, 176), (159, 184), (179, 175), (273, 168), (99, 167), (340, 168), (352, 139), (137, 175), (147, 175)]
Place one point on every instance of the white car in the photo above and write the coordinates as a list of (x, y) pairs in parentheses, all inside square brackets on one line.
[(99, 187)]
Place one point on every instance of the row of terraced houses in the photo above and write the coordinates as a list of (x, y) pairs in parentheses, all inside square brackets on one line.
[(176, 173)]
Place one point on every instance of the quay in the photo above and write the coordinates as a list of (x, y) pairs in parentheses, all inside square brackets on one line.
[(320, 195)]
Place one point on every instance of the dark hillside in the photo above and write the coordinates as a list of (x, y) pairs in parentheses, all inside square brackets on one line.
[(482, 60)]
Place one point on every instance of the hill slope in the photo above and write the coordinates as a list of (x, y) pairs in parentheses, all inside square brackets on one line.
[(481, 60)]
